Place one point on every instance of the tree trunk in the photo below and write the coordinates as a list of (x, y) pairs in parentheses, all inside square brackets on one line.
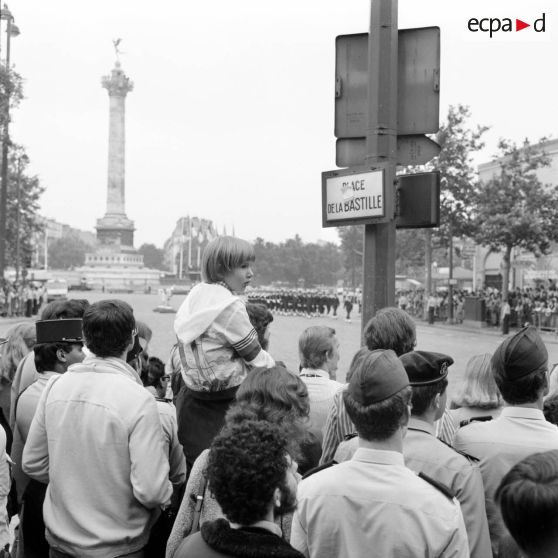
[(506, 272), (428, 268)]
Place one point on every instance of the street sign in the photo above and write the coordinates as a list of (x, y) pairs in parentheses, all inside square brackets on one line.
[(452, 281), (418, 200), (418, 96), (416, 150), (353, 196), (411, 150)]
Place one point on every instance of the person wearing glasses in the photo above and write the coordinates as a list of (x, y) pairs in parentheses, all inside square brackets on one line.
[(96, 438)]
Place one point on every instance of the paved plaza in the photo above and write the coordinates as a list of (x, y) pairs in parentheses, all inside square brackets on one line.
[(456, 341)]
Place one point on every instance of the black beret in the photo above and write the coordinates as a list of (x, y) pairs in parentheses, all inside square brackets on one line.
[(425, 368), (520, 354), (377, 376), (57, 331)]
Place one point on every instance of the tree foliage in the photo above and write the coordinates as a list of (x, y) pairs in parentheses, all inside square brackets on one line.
[(352, 247), (11, 91), (514, 209), (458, 141), (24, 192), (68, 251), (297, 263), (153, 257)]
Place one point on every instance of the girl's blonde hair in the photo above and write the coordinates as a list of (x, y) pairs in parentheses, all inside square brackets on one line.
[(21, 339), (478, 388), (224, 254)]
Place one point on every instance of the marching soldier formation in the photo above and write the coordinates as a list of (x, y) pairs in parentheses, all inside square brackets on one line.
[(224, 452)]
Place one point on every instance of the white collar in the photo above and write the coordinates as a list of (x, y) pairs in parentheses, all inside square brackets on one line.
[(309, 372)]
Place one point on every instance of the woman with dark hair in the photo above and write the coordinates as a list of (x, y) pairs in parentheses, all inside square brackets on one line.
[(260, 317), (274, 395)]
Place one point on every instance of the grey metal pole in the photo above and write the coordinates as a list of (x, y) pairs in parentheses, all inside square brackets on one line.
[(18, 216), (381, 147)]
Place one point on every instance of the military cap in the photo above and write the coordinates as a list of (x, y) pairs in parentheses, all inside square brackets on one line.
[(520, 354), (58, 331), (425, 368), (377, 376)]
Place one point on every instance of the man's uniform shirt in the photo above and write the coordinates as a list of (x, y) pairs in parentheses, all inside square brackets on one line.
[(501, 443), (374, 506), (424, 453)]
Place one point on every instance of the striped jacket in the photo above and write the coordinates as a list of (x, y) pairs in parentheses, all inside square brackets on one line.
[(218, 341)]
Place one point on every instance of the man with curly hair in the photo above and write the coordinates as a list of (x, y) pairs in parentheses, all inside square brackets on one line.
[(252, 477)]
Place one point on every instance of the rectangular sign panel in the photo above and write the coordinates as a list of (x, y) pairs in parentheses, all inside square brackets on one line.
[(354, 196), (418, 200), (418, 86), (411, 150)]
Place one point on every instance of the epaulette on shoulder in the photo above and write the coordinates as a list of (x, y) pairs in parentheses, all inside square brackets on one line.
[(471, 458), (319, 468), (445, 490), (466, 422), (350, 436)]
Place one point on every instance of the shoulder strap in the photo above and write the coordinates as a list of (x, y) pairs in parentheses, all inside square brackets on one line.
[(182, 354), (198, 501), (445, 490), (484, 418), (471, 458)]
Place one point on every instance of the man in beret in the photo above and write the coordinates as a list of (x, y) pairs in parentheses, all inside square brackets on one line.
[(423, 452), (373, 503), (520, 368), (59, 345)]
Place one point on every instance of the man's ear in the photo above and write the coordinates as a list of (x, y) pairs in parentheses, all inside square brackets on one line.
[(61, 355), (436, 401)]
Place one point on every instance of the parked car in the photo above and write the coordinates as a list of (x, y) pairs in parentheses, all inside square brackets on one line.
[(56, 289)]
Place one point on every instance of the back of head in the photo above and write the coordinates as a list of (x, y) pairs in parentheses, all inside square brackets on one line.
[(108, 326), (520, 367), (246, 463), (155, 371), (65, 309), (391, 328), (20, 340), (315, 345), (427, 372), (528, 499), (223, 254), (273, 394), (478, 388), (378, 395)]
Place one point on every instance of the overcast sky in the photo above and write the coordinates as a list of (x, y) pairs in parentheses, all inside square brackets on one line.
[(231, 116)]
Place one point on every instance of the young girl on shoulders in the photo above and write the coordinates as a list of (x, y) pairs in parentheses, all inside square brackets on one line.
[(218, 345)]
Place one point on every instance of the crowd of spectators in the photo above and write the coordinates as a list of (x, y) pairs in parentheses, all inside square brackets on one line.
[(20, 299), (537, 306)]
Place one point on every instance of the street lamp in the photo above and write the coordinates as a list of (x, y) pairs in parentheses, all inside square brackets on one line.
[(11, 31)]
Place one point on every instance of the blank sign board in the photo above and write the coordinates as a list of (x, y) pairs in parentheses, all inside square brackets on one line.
[(418, 96)]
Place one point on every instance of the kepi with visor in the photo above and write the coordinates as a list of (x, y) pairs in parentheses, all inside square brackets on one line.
[(59, 331)]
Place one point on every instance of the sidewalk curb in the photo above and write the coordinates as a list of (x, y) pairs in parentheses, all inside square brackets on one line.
[(546, 336)]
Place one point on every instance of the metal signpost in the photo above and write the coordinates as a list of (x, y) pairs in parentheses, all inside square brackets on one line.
[(387, 85)]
